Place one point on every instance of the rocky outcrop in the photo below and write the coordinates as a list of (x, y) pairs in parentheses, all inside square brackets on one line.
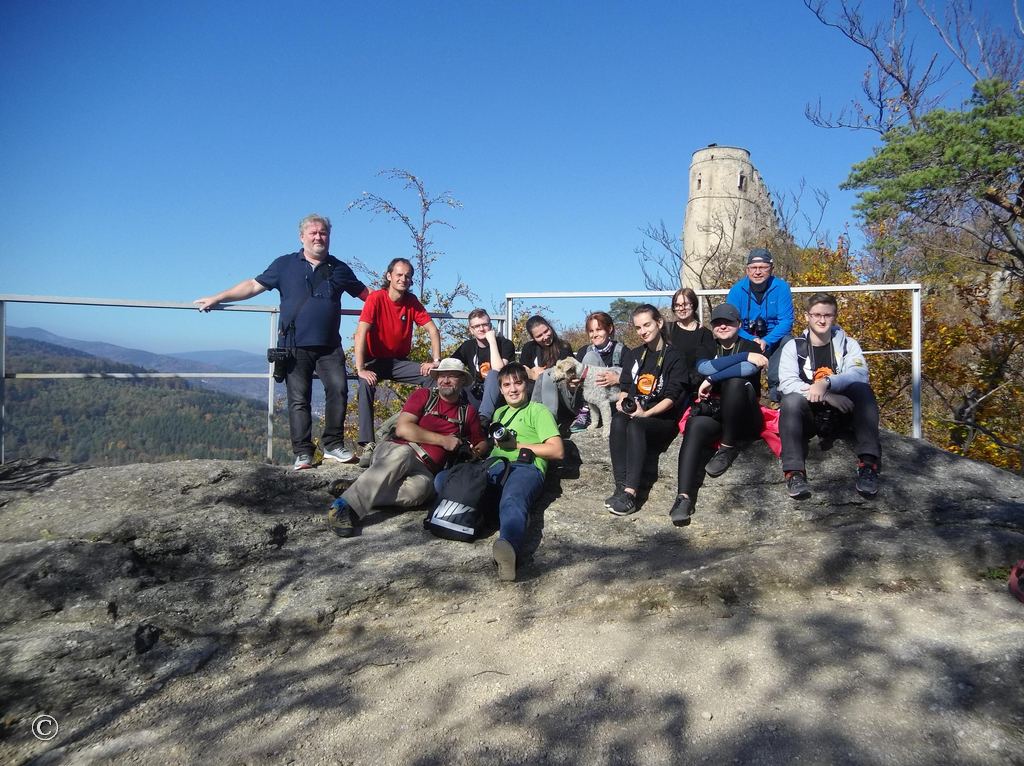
[(118, 581)]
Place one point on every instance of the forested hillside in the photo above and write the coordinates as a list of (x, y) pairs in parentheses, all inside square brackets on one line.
[(120, 421)]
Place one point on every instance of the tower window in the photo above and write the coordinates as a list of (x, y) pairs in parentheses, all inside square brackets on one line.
[(698, 182), (743, 182)]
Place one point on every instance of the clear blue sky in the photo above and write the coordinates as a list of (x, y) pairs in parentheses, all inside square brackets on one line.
[(165, 151)]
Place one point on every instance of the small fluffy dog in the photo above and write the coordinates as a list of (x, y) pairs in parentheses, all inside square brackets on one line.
[(599, 398)]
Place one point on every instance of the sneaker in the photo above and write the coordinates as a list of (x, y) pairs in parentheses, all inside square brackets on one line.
[(797, 486), (302, 462), (505, 557), (619, 489), (721, 460), (581, 422), (867, 479), (340, 454), (367, 457), (682, 510), (342, 519), (622, 504)]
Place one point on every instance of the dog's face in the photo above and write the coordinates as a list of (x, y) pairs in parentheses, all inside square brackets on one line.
[(566, 369)]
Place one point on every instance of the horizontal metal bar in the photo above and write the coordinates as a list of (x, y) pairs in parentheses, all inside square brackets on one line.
[(715, 291), (132, 375)]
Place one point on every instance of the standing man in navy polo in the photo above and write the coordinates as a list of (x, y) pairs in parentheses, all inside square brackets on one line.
[(311, 282)]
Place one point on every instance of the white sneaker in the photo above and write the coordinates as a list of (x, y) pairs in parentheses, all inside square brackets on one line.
[(302, 462), (340, 454), (505, 557)]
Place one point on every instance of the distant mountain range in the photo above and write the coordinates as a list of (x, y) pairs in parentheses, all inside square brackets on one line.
[(123, 421), (190, 361)]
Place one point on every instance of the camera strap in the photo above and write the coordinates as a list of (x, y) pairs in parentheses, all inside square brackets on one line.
[(515, 412), (657, 369), (321, 273)]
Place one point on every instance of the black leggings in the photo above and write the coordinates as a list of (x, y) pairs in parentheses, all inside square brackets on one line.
[(741, 420), (629, 441)]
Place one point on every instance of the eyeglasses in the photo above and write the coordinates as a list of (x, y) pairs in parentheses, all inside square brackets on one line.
[(820, 317), (482, 326), (682, 306)]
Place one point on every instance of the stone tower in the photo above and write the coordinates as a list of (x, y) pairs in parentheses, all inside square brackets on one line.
[(728, 211)]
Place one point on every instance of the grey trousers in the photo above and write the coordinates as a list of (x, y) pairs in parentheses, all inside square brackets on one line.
[(399, 370), (396, 476)]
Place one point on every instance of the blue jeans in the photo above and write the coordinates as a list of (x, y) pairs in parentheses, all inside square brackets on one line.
[(489, 397), (522, 488), (329, 364)]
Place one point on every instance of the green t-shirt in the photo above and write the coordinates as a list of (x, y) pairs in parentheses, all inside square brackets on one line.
[(533, 424)]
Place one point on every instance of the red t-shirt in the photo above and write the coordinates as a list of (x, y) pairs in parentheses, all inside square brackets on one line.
[(437, 421), (390, 333)]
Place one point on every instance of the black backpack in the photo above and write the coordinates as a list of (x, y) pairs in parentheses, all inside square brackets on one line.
[(459, 513)]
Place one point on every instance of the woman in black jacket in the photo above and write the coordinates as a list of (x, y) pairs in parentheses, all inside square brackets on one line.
[(647, 412), (727, 410)]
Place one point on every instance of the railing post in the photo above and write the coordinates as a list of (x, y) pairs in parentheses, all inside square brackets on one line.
[(508, 317), (3, 382), (270, 390), (915, 359)]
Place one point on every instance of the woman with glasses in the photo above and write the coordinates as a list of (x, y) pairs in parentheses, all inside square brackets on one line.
[(691, 340)]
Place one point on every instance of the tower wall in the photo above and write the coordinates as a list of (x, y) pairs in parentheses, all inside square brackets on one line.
[(727, 211)]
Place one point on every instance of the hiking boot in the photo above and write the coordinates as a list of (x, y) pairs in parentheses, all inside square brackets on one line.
[(367, 457), (340, 454), (867, 479), (581, 422), (342, 519), (302, 462), (682, 510), (505, 557), (622, 504), (721, 460), (797, 486)]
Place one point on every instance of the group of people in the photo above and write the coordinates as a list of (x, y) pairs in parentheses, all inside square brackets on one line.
[(705, 382)]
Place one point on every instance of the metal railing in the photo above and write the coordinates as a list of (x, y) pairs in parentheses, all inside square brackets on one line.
[(272, 312), (915, 322)]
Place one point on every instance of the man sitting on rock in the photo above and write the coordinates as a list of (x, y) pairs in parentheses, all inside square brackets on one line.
[(383, 341), (823, 379), (432, 426), (484, 354)]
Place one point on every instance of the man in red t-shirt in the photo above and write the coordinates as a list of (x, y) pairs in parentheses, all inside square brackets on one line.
[(383, 341), (402, 470)]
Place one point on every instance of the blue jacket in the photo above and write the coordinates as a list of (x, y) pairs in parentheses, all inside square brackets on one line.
[(777, 309), (319, 312)]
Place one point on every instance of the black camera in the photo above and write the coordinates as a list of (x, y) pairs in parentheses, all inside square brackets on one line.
[(629, 405), (758, 328), (503, 436), (709, 408), (275, 355), (279, 358)]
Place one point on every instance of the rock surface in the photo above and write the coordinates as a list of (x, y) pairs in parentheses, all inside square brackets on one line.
[(202, 612)]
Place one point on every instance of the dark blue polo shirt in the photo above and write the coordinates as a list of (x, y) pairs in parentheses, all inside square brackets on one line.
[(319, 317)]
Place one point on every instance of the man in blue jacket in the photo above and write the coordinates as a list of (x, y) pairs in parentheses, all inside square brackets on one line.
[(765, 303), (311, 282)]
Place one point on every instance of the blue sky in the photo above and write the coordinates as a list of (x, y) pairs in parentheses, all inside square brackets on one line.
[(165, 151)]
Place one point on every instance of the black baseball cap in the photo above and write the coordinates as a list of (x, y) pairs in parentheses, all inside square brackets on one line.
[(726, 311), (759, 255)]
